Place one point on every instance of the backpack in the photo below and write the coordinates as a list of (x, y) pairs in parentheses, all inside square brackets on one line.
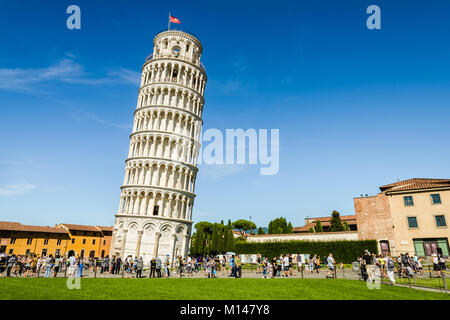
[(404, 260), (391, 264)]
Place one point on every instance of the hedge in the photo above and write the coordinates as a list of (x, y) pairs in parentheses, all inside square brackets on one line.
[(345, 251)]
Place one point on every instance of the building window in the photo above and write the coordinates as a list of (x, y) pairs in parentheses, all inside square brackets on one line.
[(12, 241), (29, 241), (2, 249), (27, 252), (440, 221), (58, 242), (44, 252), (46, 241), (93, 241), (155, 210), (412, 222), (11, 251), (73, 240), (408, 201), (436, 198), (104, 242), (57, 252), (84, 241)]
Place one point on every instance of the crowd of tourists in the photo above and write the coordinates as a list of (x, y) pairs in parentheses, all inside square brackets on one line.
[(286, 265), (406, 266), (47, 265), (210, 266)]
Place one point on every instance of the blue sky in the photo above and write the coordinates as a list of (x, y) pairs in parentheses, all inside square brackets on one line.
[(356, 108)]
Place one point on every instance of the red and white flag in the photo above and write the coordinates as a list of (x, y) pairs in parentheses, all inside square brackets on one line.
[(174, 20)]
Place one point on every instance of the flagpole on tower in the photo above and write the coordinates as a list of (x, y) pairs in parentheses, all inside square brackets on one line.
[(168, 28)]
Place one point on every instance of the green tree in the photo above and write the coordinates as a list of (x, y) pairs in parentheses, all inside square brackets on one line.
[(335, 222), (261, 231), (319, 227), (311, 230), (279, 226), (243, 225), (220, 240), (290, 229), (346, 226), (214, 247), (230, 237)]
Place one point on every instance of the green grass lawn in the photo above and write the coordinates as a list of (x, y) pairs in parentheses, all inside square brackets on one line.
[(423, 282), (206, 289)]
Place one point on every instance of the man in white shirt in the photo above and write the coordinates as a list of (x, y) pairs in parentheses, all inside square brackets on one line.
[(72, 266), (330, 264), (286, 265)]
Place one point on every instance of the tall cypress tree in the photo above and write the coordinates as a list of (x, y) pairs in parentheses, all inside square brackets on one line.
[(214, 247), (290, 229), (335, 222), (319, 227), (220, 245), (230, 237)]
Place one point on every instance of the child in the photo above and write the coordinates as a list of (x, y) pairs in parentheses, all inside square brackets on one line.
[(265, 268)]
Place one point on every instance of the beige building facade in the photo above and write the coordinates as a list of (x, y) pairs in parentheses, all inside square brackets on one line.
[(407, 216)]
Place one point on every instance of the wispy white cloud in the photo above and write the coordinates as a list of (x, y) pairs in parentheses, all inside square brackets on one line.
[(16, 189), (89, 116), (228, 87), (66, 70)]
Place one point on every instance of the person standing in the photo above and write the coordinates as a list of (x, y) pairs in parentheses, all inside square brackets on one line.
[(57, 265), (105, 264), (80, 266), (286, 265), (258, 263), (152, 267), (48, 266), (167, 266), (330, 265), (264, 267), (238, 267), (368, 264), (180, 265), (140, 267), (232, 267), (158, 267), (390, 266), (10, 265), (72, 266), (189, 266)]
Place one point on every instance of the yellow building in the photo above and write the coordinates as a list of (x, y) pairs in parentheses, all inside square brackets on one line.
[(20, 239), (87, 241), (63, 239), (407, 216)]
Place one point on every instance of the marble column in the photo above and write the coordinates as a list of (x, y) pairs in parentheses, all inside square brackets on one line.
[(138, 245), (155, 249), (124, 240)]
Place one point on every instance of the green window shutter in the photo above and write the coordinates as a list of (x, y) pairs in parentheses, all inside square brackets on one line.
[(418, 246), (442, 243)]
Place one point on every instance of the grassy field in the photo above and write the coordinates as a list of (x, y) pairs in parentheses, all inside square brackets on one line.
[(206, 289), (423, 282)]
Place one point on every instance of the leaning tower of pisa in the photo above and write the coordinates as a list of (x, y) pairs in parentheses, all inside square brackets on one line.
[(157, 196)]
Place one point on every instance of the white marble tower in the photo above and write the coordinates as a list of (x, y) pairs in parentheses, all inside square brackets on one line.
[(157, 195)]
